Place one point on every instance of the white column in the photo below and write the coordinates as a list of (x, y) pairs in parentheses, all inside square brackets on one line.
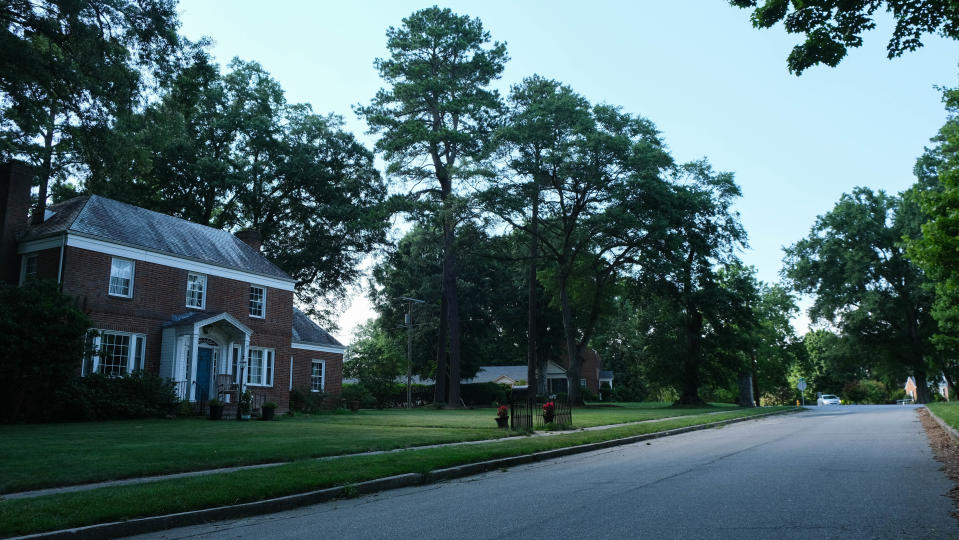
[(194, 348), (244, 362)]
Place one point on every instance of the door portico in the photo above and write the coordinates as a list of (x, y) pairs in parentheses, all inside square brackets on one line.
[(198, 347)]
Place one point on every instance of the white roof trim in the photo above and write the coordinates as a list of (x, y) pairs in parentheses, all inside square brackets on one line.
[(110, 248), (320, 348), (224, 317), (552, 368), (40, 245)]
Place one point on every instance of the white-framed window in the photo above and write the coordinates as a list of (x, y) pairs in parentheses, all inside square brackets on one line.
[(121, 277), (116, 353), (257, 301), (318, 376), (260, 370), (582, 383), (29, 267), (196, 290)]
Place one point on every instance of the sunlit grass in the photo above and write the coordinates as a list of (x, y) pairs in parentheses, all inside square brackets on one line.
[(949, 412), (36, 456), (52, 512)]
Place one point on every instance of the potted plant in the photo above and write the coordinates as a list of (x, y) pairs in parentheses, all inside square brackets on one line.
[(268, 409), (245, 405), (216, 409), (549, 412), (502, 416)]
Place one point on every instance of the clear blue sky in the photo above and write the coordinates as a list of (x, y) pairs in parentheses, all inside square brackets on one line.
[(713, 85)]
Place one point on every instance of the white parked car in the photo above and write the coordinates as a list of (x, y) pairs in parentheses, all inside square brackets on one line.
[(828, 399)]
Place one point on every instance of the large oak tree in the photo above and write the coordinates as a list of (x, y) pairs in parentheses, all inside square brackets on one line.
[(855, 265)]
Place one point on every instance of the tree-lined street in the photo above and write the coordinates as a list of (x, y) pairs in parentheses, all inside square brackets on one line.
[(830, 472)]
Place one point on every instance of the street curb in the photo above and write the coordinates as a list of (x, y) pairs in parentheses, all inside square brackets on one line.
[(945, 427), (289, 502)]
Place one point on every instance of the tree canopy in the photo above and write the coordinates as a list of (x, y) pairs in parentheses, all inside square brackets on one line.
[(229, 151), (832, 27), (855, 264), (68, 69)]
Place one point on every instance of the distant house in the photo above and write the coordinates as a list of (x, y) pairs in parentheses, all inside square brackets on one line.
[(910, 388), (191, 303), (508, 375), (556, 381), (944, 388)]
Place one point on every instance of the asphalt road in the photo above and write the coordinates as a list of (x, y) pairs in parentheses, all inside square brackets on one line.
[(830, 472)]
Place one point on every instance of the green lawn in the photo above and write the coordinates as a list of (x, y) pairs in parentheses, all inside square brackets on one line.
[(51, 512), (36, 456), (949, 412)]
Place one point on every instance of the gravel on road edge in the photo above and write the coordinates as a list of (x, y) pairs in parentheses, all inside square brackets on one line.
[(946, 452)]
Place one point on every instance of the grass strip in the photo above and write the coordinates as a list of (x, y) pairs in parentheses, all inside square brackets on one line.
[(66, 510), (40, 456), (949, 412)]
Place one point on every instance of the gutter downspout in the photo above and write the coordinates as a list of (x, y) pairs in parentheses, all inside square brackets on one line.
[(63, 247)]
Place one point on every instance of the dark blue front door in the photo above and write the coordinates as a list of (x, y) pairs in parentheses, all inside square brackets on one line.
[(203, 358)]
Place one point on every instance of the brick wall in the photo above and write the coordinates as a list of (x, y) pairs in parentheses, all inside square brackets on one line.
[(591, 366), (303, 367), (159, 292), (15, 182)]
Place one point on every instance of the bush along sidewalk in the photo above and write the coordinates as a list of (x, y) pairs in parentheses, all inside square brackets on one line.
[(164, 497)]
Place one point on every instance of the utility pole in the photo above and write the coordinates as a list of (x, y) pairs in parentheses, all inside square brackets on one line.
[(409, 349)]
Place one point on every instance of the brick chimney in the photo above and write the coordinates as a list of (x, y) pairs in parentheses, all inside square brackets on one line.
[(250, 237), (16, 179)]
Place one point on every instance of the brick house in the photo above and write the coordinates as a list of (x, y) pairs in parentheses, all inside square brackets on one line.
[(190, 303)]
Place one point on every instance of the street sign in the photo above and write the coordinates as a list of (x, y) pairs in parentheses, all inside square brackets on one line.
[(801, 385)]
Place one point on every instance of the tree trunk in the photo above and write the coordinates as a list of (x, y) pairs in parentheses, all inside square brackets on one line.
[(531, 356), (756, 380), (453, 312), (46, 169), (918, 361), (746, 390), (693, 327), (571, 352), (922, 386), (439, 389), (690, 390)]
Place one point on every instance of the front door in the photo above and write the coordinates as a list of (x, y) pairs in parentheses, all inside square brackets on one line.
[(204, 359)]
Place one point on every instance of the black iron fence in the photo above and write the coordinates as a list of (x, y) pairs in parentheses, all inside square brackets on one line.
[(528, 413)]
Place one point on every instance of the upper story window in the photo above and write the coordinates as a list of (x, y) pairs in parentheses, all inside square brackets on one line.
[(121, 277), (196, 290), (257, 301)]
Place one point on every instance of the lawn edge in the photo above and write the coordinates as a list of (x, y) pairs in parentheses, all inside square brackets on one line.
[(289, 502), (944, 425)]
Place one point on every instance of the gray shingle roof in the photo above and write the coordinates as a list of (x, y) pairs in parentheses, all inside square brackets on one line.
[(121, 223), (491, 373), (307, 331)]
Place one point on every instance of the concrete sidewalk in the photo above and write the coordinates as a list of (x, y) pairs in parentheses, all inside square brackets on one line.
[(157, 478), (156, 523)]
